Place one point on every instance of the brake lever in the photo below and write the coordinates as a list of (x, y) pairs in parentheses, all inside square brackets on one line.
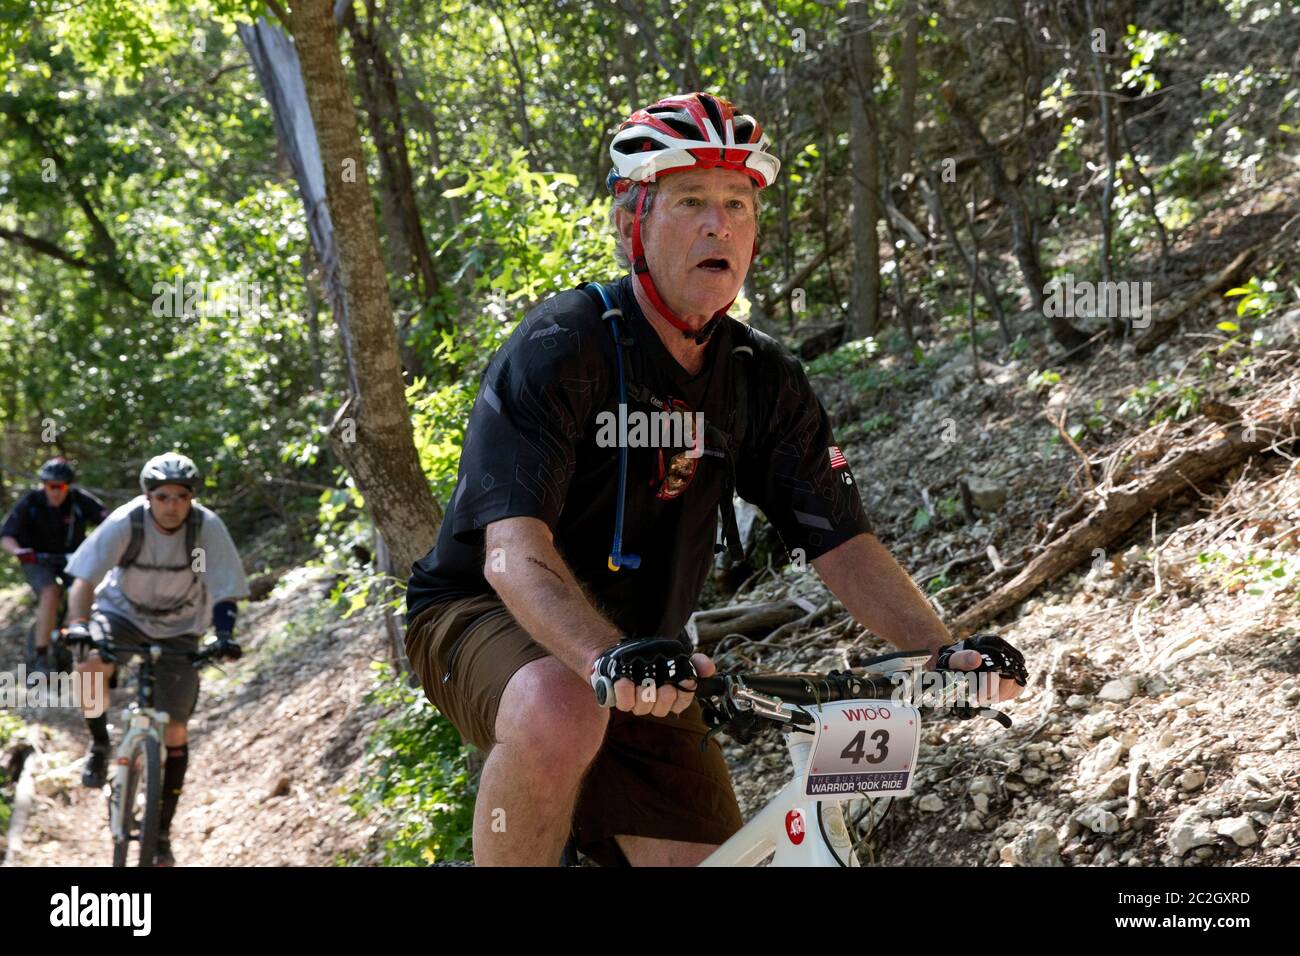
[(760, 705)]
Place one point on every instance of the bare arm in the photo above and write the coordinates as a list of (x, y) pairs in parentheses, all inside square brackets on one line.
[(80, 595), (10, 544), (881, 596), (523, 567)]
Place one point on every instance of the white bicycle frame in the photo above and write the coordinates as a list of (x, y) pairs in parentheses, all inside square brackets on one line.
[(140, 722), (774, 829)]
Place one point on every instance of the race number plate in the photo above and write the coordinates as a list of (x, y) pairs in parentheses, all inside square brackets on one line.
[(865, 747)]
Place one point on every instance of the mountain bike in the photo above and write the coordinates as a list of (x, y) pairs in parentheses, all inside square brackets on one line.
[(853, 738), (135, 797)]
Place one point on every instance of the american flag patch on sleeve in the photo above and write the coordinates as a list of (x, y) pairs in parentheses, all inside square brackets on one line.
[(837, 457)]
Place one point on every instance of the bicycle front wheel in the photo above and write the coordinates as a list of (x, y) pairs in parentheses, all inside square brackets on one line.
[(141, 803)]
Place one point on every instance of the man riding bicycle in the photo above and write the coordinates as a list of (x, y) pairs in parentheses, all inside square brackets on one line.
[(43, 529), (159, 569), (525, 599)]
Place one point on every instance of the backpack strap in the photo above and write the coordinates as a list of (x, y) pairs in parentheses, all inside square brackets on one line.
[(737, 426), (193, 525), (622, 358), (132, 553)]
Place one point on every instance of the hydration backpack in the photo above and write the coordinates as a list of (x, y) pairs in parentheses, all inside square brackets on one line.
[(731, 440), (193, 525)]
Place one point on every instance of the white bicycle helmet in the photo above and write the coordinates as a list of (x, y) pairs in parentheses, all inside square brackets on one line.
[(170, 468), (692, 131)]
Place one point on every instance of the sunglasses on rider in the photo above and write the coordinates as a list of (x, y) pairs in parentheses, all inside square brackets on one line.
[(56, 486), (162, 497)]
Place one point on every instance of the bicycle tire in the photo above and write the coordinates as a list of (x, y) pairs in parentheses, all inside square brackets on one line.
[(142, 816)]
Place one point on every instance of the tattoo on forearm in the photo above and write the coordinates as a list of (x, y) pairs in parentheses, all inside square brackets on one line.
[(542, 565)]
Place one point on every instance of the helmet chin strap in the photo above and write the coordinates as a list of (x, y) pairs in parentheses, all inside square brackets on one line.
[(642, 271)]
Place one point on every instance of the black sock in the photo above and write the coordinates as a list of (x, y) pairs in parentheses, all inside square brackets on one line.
[(178, 759), (98, 730)]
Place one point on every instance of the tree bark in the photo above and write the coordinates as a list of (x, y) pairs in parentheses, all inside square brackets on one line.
[(864, 189), (1105, 202), (377, 83), (372, 433), (907, 91), (1026, 250)]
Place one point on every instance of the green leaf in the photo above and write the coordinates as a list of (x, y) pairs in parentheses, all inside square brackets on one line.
[(920, 520)]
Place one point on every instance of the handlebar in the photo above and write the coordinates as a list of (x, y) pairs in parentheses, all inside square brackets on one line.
[(800, 688), (769, 695), (112, 653)]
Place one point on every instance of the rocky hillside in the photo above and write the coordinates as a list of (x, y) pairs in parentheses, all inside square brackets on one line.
[(1160, 726)]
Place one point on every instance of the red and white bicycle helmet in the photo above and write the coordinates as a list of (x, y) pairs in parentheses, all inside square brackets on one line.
[(691, 131)]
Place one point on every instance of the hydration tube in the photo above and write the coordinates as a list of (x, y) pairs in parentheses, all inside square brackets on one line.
[(617, 559)]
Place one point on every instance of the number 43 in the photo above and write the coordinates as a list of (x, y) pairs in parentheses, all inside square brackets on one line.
[(856, 751)]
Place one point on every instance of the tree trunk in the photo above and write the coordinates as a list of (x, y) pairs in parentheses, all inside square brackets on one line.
[(1105, 202), (1021, 225), (907, 94), (864, 190), (372, 432), (929, 189), (628, 63), (377, 83)]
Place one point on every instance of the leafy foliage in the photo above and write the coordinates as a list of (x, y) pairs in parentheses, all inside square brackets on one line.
[(417, 783)]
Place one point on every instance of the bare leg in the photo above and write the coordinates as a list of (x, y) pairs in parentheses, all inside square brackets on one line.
[(94, 693), (47, 612), (548, 731)]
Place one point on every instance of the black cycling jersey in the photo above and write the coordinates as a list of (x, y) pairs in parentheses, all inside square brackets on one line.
[(534, 446), (54, 530)]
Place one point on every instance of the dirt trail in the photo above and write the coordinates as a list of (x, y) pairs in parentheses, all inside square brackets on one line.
[(274, 745)]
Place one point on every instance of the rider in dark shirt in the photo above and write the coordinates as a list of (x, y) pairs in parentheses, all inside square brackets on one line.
[(572, 552), (533, 447), (41, 531)]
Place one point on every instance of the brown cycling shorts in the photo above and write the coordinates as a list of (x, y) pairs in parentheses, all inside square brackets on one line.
[(649, 779)]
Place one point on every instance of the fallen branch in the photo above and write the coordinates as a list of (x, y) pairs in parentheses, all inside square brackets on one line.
[(1069, 440), (708, 627), (1118, 508), (1162, 324)]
